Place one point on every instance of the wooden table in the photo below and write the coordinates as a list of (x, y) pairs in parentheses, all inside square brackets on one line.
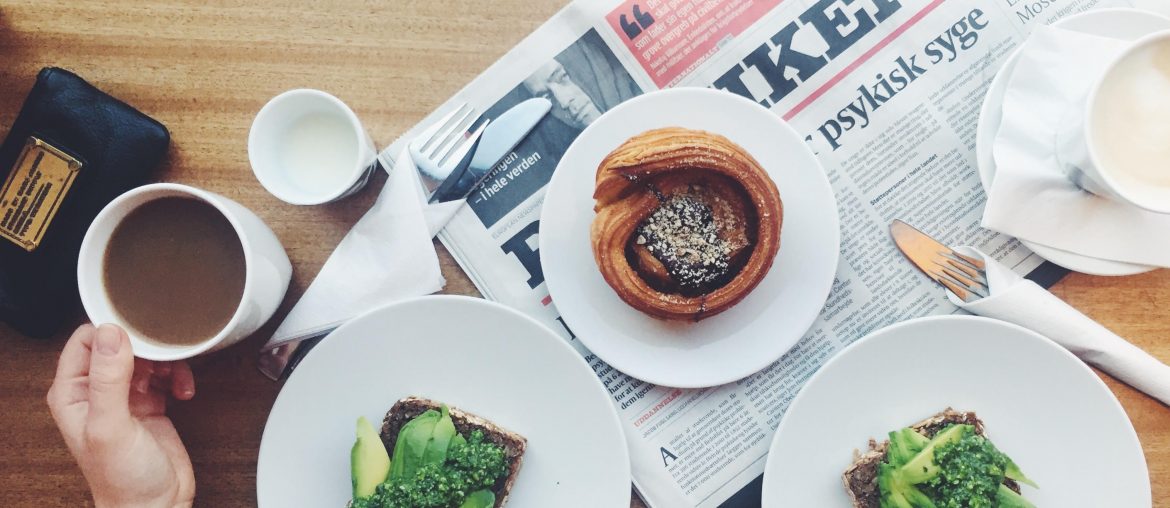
[(204, 69)]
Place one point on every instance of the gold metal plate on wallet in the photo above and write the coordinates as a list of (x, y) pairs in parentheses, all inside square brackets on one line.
[(33, 192)]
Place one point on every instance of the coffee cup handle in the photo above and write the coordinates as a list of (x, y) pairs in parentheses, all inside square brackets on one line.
[(1072, 151)]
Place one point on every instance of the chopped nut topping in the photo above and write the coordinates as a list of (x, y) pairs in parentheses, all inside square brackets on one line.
[(682, 234)]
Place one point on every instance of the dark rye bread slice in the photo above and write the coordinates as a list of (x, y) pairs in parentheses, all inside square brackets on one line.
[(861, 476), (513, 444)]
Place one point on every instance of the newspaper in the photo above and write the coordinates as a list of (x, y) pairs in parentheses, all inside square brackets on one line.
[(887, 94)]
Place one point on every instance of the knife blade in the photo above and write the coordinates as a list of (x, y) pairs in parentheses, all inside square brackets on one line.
[(961, 274), (498, 139)]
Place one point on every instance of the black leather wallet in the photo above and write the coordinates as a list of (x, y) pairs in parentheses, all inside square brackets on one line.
[(71, 150)]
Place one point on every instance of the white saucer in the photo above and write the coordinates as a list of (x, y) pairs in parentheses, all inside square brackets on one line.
[(1120, 23), (722, 348)]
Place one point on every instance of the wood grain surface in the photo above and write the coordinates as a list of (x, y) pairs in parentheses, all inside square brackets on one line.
[(204, 69)]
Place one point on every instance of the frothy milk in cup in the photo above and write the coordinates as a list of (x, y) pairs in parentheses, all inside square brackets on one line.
[(1131, 127)]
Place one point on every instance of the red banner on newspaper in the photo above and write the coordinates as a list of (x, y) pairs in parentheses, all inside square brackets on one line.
[(670, 38)]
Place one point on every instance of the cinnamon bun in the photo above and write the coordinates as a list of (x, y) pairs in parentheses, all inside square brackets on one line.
[(687, 223)]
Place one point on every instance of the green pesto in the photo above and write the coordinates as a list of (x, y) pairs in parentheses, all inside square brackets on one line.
[(971, 471), (470, 466)]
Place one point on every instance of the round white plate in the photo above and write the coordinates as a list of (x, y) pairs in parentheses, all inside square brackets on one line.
[(1119, 23), (725, 347), (1041, 405), (476, 355)]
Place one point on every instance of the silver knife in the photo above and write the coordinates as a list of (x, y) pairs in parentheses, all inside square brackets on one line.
[(498, 139)]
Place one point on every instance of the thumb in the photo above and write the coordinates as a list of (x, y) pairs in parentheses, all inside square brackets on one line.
[(110, 369)]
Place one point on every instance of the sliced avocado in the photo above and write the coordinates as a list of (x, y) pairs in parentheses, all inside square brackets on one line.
[(412, 444), (1007, 498), (457, 440), (891, 496), (912, 436), (479, 499), (444, 431), (895, 494), (904, 445), (1013, 471), (368, 461), (918, 498), (922, 467)]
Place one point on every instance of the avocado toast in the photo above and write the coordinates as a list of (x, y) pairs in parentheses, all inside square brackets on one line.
[(876, 478), (428, 455)]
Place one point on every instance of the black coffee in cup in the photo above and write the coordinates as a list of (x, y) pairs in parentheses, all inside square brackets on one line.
[(174, 270)]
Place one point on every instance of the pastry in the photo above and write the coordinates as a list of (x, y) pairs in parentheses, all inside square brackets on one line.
[(687, 223)]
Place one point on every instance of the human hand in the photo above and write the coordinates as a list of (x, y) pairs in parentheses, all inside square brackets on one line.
[(110, 408)]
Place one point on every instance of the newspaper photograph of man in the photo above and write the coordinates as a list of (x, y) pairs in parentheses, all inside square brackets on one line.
[(573, 106), (582, 82)]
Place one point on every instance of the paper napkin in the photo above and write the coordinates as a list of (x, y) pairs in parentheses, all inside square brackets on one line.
[(439, 214), (387, 256), (1031, 197), (1023, 302)]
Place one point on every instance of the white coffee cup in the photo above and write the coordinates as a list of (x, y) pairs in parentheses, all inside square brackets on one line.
[(267, 271), (1125, 121), (307, 147)]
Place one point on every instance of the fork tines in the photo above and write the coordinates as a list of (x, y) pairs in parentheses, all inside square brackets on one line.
[(963, 275), (443, 137)]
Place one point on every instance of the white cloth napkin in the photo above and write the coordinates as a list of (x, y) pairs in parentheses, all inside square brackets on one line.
[(387, 256), (1031, 197), (1020, 301)]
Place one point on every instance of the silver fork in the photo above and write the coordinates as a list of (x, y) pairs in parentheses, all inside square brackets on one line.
[(965, 276), (439, 149)]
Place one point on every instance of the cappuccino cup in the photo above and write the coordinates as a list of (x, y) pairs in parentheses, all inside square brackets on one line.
[(1118, 147)]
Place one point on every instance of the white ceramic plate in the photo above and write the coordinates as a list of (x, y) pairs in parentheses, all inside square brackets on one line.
[(470, 353), (1121, 23), (722, 348), (1040, 404)]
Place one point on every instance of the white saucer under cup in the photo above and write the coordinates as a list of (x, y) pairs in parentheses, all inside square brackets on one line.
[(1118, 23), (722, 348)]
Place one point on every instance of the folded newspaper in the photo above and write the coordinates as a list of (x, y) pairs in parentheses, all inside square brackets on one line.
[(887, 93)]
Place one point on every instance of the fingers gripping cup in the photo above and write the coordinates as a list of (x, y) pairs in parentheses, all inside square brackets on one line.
[(307, 147), (184, 271), (1120, 147)]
